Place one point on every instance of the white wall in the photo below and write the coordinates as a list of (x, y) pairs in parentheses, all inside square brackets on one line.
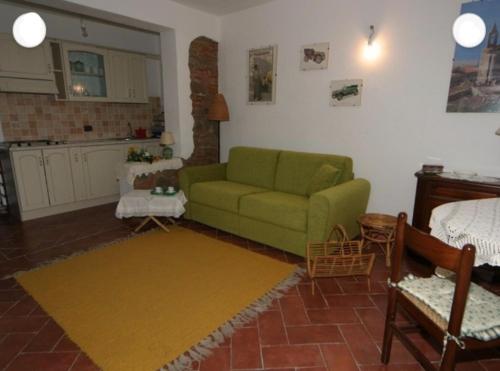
[(179, 25), (402, 120)]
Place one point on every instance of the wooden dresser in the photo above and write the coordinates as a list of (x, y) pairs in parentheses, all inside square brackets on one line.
[(434, 190)]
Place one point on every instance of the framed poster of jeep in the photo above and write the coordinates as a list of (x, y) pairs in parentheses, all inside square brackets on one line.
[(314, 56)]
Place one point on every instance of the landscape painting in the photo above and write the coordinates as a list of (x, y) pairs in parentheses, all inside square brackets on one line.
[(262, 75), (475, 78)]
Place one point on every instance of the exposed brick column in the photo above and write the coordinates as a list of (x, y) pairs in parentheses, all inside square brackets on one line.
[(203, 61)]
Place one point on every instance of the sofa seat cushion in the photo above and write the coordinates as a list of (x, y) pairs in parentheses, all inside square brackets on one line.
[(221, 194), (282, 209)]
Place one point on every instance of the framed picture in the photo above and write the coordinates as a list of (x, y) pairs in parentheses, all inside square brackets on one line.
[(262, 75), (346, 92), (475, 76), (314, 56)]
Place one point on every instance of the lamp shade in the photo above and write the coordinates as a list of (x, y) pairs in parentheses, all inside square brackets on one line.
[(218, 109), (469, 30), (167, 138), (29, 30)]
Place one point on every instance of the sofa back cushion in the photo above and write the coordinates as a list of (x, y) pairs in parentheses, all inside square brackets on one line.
[(296, 169), (252, 166)]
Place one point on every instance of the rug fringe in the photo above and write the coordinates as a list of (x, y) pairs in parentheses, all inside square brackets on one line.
[(78, 253), (204, 348)]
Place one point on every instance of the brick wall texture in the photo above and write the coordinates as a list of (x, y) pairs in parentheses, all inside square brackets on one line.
[(203, 61)]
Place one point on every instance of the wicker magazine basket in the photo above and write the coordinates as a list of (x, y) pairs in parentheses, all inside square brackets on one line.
[(337, 257)]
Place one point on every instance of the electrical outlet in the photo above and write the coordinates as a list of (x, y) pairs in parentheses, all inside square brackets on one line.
[(87, 128)]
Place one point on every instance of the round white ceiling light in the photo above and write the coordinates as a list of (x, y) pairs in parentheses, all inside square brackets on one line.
[(469, 30), (29, 30)]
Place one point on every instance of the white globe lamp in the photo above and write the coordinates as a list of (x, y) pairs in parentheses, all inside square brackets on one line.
[(469, 30), (29, 30)]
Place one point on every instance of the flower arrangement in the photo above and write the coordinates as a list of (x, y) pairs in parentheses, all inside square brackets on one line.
[(140, 155)]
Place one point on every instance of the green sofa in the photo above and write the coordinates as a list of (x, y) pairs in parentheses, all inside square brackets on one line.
[(262, 195)]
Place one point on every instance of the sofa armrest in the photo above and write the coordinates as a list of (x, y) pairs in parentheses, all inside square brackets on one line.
[(195, 174), (341, 204)]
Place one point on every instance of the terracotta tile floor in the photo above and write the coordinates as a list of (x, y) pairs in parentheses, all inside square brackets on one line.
[(339, 328)]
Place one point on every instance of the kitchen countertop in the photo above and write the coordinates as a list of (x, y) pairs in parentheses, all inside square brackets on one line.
[(82, 143)]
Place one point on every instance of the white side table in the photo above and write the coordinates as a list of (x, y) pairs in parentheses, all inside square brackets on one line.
[(141, 203)]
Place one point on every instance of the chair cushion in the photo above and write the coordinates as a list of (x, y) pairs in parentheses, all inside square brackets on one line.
[(434, 297), (326, 176), (221, 194), (282, 209), (295, 170), (252, 166)]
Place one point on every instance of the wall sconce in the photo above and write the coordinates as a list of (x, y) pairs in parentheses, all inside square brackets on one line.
[(497, 132), (29, 30), (83, 28), (469, 30), (372, 48)]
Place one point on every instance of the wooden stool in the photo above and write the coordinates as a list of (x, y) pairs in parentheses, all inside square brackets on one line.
[(379, 229)]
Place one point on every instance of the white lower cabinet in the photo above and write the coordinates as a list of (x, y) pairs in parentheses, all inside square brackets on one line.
[(54, 179), (30, 179), (99, 166), (58, 175), (79, 180)]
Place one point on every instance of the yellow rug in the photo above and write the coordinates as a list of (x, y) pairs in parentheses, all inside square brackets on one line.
[(142, 303)]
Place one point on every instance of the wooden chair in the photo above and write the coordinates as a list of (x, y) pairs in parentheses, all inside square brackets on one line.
[(450, 332)]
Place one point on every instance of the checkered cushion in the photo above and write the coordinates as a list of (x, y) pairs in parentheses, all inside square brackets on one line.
[(482, 311)]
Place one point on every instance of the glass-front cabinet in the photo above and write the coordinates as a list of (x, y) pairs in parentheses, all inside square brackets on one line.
[(86, 72)]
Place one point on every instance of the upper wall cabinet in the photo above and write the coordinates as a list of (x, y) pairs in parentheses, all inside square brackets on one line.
[(86, 72), (128, 77), (97, 74), (27, 70)]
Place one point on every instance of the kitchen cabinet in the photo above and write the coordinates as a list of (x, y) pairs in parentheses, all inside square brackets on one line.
[(30, 179), (99, 164), (27, 70), (58, 175), (128, 77), (119, 63), (78, 174), (61, 178), (24, 63), (86, 69), (137, 78)]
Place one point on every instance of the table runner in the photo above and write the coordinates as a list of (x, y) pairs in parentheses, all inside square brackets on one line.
[(143, 203), (476, 222), (130, 170)]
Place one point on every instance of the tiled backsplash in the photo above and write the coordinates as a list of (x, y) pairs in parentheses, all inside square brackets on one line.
[(34, 116)]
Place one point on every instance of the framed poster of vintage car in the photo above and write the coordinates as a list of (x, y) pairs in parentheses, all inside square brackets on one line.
[(314, 56), (262, 75), (346, 92)]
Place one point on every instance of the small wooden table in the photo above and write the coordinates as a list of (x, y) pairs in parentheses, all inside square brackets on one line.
[(141, 203), (379, 229)]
